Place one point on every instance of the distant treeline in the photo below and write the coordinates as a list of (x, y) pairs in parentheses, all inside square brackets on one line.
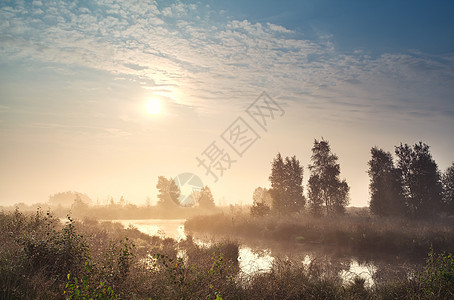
[(168, 206), (80, 205), (412, 187)]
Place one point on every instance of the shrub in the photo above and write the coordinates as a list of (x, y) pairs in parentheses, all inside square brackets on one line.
[(85, 288), (56, 253), (437, 279), (41, 259)]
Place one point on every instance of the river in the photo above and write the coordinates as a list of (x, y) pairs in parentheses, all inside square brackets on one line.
[(258, 256)]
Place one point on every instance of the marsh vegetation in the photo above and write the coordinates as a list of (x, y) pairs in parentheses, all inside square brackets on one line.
[(308, 245), (42, 258)]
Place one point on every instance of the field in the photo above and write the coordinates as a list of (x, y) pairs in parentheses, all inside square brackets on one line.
[(41, 258)]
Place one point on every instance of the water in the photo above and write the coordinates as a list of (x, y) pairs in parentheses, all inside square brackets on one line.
[(252, 262), (259, 257), (173, 228)]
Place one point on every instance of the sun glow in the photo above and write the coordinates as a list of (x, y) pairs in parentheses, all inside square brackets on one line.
[(154, 106)]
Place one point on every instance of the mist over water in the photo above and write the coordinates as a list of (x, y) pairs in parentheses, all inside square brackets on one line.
[(258, 256)]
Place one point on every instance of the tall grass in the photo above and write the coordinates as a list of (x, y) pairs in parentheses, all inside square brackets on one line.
[(361, 233), (41, 258)]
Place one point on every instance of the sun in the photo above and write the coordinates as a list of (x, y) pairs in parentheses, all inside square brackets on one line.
[(154, 106)]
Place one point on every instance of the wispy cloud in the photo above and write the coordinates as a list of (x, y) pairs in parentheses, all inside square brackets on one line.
[(209, 56)]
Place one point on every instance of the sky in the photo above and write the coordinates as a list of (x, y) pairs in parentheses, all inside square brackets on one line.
[(76, 76)]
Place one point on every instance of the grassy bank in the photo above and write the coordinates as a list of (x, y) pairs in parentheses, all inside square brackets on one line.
[(358, 232), (118, 212), (42, 259)]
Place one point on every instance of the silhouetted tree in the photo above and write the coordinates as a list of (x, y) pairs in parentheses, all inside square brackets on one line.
[(262, 195), (341, 197), (384, 187), (66, 199), (286, 189), (277, 179), (294, 171), (324, 184), (262, 202), (169, 192), (205, 198), (420, 179), (79, 205), (122, 201), (448, 189), (314, 193)]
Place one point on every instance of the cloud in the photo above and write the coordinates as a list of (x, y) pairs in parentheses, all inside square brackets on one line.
[(279, 28), (136, 67), (78, 129), (208, 56)]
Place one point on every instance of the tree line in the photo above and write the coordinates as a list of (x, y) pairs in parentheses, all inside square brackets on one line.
[(413, 186), (169, 195), (326, 191)]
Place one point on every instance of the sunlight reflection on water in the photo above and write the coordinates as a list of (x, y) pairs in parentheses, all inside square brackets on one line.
[(251, 260), (365, 271), (160, 227)]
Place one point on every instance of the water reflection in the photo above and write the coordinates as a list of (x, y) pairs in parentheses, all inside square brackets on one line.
[(173, 228), (254, 262), (365, 271), (259, 256)]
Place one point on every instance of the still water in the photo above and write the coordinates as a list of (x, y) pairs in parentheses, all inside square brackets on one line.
[(255, 257)]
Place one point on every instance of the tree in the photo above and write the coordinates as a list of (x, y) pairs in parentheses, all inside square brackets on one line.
[(262, 202), (286, 189), (448, 189), (122, 201), (341, 197), (384, 187), (66, 199), (314, 193), (205, 198), (294, 175), (420, 180), (169, 192), (277, 179), (324, 184), (79, 205), (262, 195)]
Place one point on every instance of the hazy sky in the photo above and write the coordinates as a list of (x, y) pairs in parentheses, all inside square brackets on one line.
[(75, 78)]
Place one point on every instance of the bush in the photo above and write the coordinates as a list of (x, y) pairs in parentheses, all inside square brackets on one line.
[(57, 252), (84, 288), (41, 259), (437, 279)]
